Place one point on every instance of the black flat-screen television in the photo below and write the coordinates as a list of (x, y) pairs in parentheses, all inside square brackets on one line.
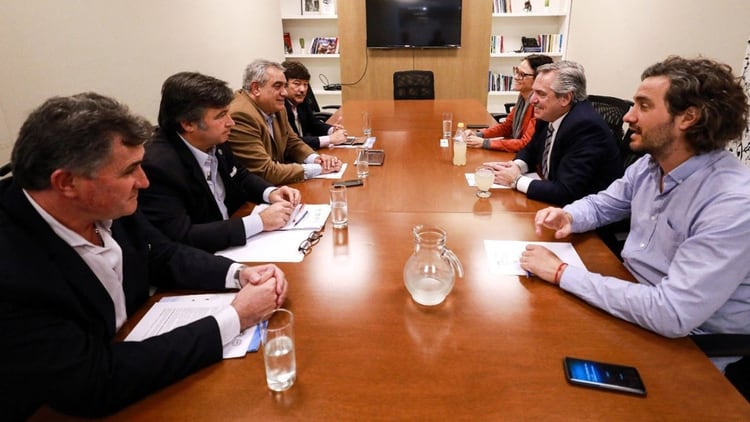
[(413, 23)]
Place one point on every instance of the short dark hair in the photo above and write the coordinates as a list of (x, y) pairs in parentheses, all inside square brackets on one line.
[(73, 133), (185, 96), (295, 70), (536, 60), (710, 87)]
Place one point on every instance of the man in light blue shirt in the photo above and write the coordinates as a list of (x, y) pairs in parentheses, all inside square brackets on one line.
[(689, 204)]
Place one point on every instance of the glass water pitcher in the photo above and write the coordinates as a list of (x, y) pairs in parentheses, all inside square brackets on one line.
[(430, 271)]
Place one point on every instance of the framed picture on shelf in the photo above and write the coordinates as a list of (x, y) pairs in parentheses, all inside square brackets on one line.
[(311, 7)]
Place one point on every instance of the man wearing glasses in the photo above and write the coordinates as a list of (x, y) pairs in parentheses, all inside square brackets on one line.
[(517, 129), (572, 150)]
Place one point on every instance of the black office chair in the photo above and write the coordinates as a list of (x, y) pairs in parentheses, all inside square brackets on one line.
[(612, 109), (5, 170), (723, 345), (499, 117), (321, 115), (413, 85)]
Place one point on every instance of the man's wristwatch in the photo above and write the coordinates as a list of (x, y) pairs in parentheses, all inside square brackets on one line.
[(515, 181), (236, 275)]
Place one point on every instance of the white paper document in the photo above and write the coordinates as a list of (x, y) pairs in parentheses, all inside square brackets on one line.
[(304, 217), (176, 311), (504, 255), (470, 180), (276, 246), (338, 175)]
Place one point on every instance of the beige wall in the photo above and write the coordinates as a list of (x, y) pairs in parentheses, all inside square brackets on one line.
[(123, 48), (615, 39), (126, 49)]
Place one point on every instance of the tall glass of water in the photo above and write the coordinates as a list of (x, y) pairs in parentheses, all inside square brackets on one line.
[(366, 124), (339, 208), (363, 165), (277, 335), (447, 124)]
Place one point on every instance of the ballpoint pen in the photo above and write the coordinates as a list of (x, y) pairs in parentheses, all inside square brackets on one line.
[(300, 219)]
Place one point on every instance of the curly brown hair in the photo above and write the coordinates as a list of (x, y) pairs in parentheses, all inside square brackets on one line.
[(712, 88)]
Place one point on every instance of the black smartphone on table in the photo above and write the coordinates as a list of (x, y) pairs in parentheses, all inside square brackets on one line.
[(607, 376), (349, 183)]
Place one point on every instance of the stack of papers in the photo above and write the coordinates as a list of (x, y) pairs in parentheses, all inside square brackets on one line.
[(282, 245), (176, 311)]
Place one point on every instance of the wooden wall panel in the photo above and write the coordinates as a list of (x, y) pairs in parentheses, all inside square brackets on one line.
[(459, 73)]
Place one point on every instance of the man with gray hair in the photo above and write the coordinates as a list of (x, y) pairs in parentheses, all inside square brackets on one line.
[(572, 150), (262, 139), (83, 259)]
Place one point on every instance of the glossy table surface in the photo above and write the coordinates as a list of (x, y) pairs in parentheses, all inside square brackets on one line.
[(492, 351)]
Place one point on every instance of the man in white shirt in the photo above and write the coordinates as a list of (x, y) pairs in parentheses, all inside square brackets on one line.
[(80, 260)]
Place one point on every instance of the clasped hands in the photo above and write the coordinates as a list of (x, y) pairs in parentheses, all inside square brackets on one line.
[(505, 171), (263, 289), (539, 260), (329, 163)]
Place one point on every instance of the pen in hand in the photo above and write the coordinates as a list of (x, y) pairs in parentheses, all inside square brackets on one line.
[(300, 219)]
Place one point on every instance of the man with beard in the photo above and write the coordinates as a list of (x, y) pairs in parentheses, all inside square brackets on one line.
[(688, 200)]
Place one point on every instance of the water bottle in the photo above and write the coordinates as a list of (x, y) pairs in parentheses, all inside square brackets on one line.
[(459, 146)]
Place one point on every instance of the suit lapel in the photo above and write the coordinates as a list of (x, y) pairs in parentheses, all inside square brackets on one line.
[(75, 275), (195, 172)]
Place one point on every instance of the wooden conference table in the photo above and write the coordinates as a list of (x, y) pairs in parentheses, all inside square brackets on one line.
[(492, 351)]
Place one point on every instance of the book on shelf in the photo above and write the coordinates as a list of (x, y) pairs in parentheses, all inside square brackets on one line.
[(499, 82), (497, 44), (325, 45), (288, 43), (502, 6)]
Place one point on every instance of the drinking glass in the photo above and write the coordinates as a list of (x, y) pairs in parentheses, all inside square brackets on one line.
[(339, 209), (363, 165), (277, 335), (366, 124), (483, 178), (447, 124)]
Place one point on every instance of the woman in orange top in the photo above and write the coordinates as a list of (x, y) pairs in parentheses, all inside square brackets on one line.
[(517, 129)]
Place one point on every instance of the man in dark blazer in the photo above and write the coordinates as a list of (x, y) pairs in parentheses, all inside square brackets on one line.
[(573, 150), (300, 112), (195, 186), (79, 262)]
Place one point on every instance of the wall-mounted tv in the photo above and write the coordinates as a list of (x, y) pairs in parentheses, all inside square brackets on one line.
[(413, 23)]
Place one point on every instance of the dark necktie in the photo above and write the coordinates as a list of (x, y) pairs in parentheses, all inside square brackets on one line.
[(547, 147)]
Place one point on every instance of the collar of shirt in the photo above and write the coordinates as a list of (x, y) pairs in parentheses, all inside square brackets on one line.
[(204, 159), (69, 236), (556, 124), (680, 173)]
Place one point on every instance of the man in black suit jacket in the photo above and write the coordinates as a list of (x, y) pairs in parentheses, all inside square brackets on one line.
[(79, 262), (300, 113), (581, 155), (195, 186)]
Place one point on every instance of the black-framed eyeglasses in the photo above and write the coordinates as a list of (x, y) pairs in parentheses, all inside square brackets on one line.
[(306, 246), (520, 74)]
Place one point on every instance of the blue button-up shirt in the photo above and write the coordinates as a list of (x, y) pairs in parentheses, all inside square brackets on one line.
[(688, 247)]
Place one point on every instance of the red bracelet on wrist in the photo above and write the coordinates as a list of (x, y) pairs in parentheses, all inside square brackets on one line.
[(558, 273)]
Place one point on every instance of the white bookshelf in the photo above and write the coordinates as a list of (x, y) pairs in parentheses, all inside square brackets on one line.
[(512, 26), (306, 27)]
